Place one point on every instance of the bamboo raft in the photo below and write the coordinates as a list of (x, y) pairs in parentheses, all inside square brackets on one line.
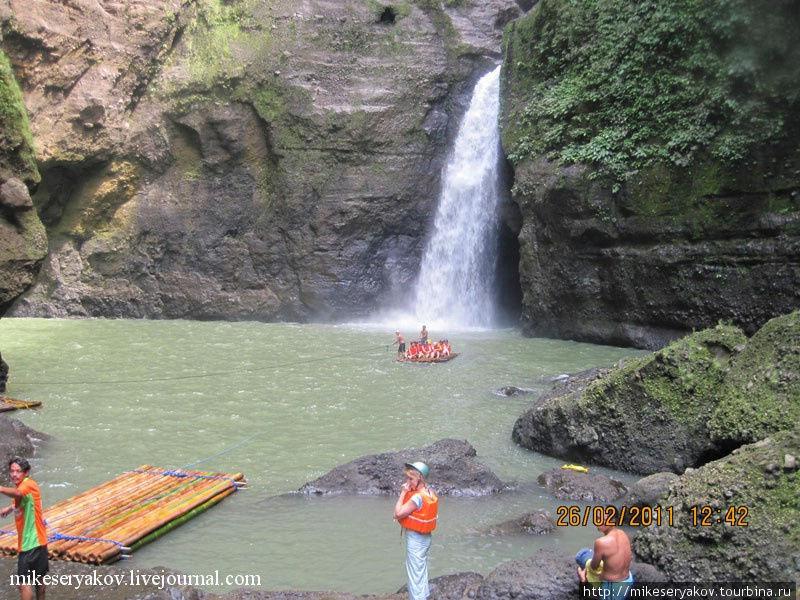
[(441, 359), (106, 523), (7, 403)]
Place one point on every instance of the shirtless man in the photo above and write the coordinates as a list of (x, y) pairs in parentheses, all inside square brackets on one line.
[(614, 550), (401, 344)]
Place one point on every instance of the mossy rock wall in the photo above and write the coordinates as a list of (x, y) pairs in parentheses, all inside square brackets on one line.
[(656, 166)]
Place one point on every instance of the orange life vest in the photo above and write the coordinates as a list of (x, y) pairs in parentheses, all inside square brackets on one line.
[(422, 520)]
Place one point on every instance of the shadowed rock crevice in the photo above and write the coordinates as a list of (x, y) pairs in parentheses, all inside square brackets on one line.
[(387, 16)]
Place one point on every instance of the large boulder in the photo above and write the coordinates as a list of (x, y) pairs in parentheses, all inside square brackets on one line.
[(746, 525), (644, 416), (455, 471), (761, 394)]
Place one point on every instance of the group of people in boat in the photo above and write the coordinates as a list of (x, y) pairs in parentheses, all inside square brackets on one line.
[(422, 349)]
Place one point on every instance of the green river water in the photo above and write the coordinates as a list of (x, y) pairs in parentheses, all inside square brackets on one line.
[(304, 398)]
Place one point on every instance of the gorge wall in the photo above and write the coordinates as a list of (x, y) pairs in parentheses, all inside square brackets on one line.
[(281, 160), (656, 166), (246, 159)]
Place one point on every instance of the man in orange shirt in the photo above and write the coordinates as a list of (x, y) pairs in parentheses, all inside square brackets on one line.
[(32, 537)]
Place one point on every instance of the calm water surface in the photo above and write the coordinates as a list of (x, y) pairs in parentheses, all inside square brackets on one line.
[(303, 398)]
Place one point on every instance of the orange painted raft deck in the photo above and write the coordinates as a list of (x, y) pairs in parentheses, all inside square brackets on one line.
[(106, 522), (7, 403)]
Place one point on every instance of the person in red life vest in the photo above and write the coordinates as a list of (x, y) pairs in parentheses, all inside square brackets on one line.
[(413, 351), (426, 350), (31, 535), (417, 510)]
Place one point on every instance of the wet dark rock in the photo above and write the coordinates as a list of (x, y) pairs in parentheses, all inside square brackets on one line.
[(455, 471), (452, 587), (644, 572), (510, 390), (16, 439), (539, 522), (589, 487), (651, 489), (547, 575)]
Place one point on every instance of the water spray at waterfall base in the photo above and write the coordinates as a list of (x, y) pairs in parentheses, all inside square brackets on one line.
[(454, 288)]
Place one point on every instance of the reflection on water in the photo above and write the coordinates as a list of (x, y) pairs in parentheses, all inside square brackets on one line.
[(284, 404)]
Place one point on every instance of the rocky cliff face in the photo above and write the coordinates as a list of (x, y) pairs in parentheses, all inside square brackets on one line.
[(656, 167), (23, 242), (246, 159)]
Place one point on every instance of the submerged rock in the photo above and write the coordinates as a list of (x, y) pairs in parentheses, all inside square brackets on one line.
[(510, 390), (454, 471)]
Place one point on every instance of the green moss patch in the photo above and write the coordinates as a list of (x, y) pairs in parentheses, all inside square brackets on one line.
[(17, 158), (682, 380), (762, 391)]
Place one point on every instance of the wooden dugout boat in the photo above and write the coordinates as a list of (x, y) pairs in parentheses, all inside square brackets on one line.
[(104, 523), (7, 403)]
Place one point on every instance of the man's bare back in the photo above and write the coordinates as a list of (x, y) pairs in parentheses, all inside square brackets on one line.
[(614, 549)]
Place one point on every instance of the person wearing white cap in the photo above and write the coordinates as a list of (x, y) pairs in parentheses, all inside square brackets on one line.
[(417, 511)]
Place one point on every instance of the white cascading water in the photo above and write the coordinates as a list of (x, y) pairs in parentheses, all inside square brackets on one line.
[(454, 287)]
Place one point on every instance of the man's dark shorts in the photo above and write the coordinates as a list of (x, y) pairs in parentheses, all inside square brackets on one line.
[(401, 347), (33, 561)]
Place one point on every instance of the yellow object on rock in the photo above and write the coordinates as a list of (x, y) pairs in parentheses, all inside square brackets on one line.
[(577, 468)]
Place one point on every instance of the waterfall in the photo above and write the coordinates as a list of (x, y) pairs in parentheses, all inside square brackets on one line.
[(454, 287)]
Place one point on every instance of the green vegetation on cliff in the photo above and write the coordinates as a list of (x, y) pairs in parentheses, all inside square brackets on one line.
[(623, 85), (17, 158)]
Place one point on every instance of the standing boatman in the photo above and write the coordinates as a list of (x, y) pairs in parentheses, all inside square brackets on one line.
[(417, 510), (31, 534), (401, 343)]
